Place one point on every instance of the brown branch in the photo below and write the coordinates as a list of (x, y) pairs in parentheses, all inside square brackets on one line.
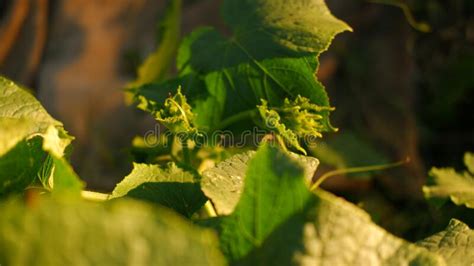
[(40, 29), (11, 29)]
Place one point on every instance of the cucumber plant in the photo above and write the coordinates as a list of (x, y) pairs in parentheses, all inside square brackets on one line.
[(195, 199)]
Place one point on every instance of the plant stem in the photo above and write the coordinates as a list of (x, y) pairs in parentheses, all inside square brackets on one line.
[(281, 141), (210, 209), (94, 196), (186, 153), (355, 170)]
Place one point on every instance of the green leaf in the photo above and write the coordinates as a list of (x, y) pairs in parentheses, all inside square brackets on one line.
[(274, 190), (171, 187), (28, 135), (122, 232), (237, 82), (17, 103), (63, 178), (455, 244), (57, 176), (223, 184), (303, 26), (279, 221), (19, 166), (446, 182), (332, 231), (156, 66), (264, 59)]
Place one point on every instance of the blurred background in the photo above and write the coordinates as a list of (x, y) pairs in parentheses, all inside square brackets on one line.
[(402, 83)]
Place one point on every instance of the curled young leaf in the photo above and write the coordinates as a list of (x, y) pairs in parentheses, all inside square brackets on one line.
[(294, 120), (176, 115)]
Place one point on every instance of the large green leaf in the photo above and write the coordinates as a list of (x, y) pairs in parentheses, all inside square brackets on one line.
[(223, 184), (299, 25), (274, 191), (122, 232), (28, 135), (17, 103), (279, 221), (332, 231), (455, 244), (272, 55), (171, 187), (446, 182)]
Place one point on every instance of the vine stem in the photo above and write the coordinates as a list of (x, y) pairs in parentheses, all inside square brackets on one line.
[(420, 26), (329, 174)]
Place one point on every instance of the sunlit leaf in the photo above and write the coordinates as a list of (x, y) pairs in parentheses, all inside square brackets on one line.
[(455, 243), (279, 221), (28, 136), (223, 184), (122, 232), (171, 187)]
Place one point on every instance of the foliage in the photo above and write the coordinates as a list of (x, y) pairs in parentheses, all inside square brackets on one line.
[(203, 203), (29, 139), (294, 120), (272, 55), (223, 183), (446, 182), (280, 221), (177, 115)]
